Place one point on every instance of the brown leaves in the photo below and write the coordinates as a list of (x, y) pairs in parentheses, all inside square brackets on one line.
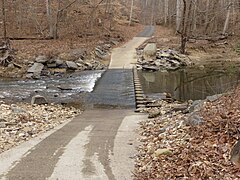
[(198, 152)]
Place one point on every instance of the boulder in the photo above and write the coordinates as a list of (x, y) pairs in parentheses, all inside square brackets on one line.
[(196, 105), (59, 62), (150, 50), (38, 99), (71, 65), (214, 97), (36, 68), (194, 120), (41, 59)]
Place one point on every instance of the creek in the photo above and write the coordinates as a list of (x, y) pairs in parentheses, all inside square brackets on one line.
[(190, 83), (184, 84), (57, 89)]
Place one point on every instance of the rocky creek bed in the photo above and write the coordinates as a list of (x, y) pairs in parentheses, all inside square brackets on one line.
[(54, 65)]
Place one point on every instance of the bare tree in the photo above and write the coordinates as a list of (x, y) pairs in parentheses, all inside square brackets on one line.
[(178, 15), (131, 13), (226, 24), (4, 20)]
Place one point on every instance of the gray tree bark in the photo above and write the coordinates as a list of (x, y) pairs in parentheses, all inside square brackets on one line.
[(4, 20)]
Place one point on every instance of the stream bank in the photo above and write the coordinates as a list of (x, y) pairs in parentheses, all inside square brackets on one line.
[(189, 140), (193, 114)]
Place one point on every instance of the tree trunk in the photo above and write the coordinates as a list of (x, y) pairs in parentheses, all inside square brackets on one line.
[(50, 18), (178, 15), (207, 22), (227, 18), (194, 17), (131, 13), (4, 20), (152, 13), (165, 12), (184, 30)]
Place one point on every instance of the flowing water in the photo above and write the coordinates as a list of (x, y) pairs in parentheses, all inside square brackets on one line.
[(188, 84), (182, 85), (54, 89)]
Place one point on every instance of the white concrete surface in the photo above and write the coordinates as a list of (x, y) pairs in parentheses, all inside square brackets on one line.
[(125, 57)]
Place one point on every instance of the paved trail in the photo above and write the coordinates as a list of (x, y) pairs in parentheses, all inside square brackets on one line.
[(97, 145)]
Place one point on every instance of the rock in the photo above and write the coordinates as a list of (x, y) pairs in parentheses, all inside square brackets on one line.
[(196, 105), (235, 154), (10, 66), (114, 42), (81, 66), (71, 65), (41, 59), (154, 114), (52, 65), (100, 53), (150, 50), (17, 65), (59, 62), (58, 71), (64, 87), (2, 124), (2, 120), (16, 109), (88, 65), (194, 120), (2, 97), (180, 107), (37, 99), (150, 68), (201, 67), (36, 76), (160, 152), (162, 130), (29, 75), (214, 97), (36, 68)]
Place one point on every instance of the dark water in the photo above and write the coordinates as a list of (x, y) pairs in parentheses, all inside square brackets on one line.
[(188, 83), (70, 87)]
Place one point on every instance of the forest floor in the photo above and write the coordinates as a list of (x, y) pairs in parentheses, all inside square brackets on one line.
[(202, 53), (26, 51), (222, 53)]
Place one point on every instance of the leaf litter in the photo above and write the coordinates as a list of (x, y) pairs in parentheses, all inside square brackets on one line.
[(172, 149)]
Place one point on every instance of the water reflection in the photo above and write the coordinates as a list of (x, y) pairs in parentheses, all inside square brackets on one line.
[(188, 83)]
